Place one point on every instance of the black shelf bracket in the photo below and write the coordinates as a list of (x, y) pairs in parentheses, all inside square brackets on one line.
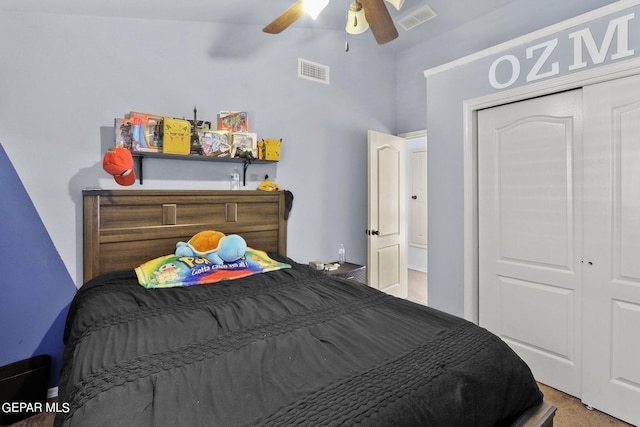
[(140, 173), (245, 166)]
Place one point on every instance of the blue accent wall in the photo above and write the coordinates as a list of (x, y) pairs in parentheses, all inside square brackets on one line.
[(35, 286)]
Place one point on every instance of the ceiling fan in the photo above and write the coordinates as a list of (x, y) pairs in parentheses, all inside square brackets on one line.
[(375, 16)]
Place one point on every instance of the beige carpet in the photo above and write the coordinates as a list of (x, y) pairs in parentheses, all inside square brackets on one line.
[(44, 419), (417, 287), (572, 413)]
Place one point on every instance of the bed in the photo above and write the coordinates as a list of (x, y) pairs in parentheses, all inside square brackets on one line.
[(286, 347)]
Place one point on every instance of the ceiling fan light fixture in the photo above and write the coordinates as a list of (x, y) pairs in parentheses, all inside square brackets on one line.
[(396, 3), (356, 21), (314, 7)]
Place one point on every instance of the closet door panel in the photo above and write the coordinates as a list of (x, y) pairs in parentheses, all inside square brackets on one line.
[(611, 346), (530, 231)]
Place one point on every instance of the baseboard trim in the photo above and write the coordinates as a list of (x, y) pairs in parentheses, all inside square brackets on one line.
[(52, 393)]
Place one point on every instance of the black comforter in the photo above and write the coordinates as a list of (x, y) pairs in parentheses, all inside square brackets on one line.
[(290, 347)]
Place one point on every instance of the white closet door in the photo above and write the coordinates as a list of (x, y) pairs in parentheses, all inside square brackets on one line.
[(611, 349), (530, 233)]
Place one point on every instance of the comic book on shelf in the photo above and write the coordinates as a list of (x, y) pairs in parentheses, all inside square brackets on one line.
[(233, 121), (123, 133), (201, 125), (216, 143), (244, 141), (146, 132)]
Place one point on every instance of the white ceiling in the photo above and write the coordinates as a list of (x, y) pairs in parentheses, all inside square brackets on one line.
[(471, 20)]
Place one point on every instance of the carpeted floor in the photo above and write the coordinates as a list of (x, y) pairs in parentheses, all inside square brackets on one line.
[(417, 287), (572, 413), (44, 419)]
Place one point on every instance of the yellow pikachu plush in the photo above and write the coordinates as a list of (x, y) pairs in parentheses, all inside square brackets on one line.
[(267, 185)]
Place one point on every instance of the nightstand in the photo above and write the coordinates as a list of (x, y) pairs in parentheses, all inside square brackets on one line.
[(351, 271)]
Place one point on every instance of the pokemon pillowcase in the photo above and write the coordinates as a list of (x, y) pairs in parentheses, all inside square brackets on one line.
[(171, 271)]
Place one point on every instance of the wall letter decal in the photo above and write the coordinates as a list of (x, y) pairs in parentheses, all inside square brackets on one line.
[(515, 71), (549, 47), (621, 25)]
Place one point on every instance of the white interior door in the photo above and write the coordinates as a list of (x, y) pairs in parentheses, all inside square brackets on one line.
[(530, 233), (612, 251), (387, 231)]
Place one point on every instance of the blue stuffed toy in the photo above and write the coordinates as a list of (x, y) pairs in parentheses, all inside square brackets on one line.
[(214, 246), (231, 248)]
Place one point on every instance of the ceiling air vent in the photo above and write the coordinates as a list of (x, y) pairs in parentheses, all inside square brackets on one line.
[(313, 71), (417, 17)]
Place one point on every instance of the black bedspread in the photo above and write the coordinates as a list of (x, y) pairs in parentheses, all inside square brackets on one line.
[(290, 347)]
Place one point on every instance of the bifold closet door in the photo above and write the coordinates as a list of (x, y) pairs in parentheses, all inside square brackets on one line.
[(530, 232), (611, 340), (559, 239)]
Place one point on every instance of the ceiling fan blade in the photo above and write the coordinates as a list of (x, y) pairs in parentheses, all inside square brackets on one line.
[(289, 16), (379, 20)]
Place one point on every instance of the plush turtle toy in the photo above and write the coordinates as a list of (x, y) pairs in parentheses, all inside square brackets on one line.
[(214, 246)]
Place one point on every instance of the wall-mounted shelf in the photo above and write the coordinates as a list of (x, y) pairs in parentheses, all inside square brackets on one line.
[(141, 155)]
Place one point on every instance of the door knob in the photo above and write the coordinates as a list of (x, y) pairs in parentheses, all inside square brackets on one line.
[(414, 197)]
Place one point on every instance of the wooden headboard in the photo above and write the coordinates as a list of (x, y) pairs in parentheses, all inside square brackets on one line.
[(124, 228)]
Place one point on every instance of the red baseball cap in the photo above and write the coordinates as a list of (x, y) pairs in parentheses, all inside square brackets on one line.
[(119, 163)]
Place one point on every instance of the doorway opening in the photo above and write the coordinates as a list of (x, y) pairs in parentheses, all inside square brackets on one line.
[(417, 212)]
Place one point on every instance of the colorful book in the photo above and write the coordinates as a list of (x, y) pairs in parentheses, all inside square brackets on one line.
[(146, 131), (176, 136), (216, 143), (123, 133), (233, 121), (242, 142)]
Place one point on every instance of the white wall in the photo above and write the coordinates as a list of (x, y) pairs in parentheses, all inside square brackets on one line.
[(65, 79)]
